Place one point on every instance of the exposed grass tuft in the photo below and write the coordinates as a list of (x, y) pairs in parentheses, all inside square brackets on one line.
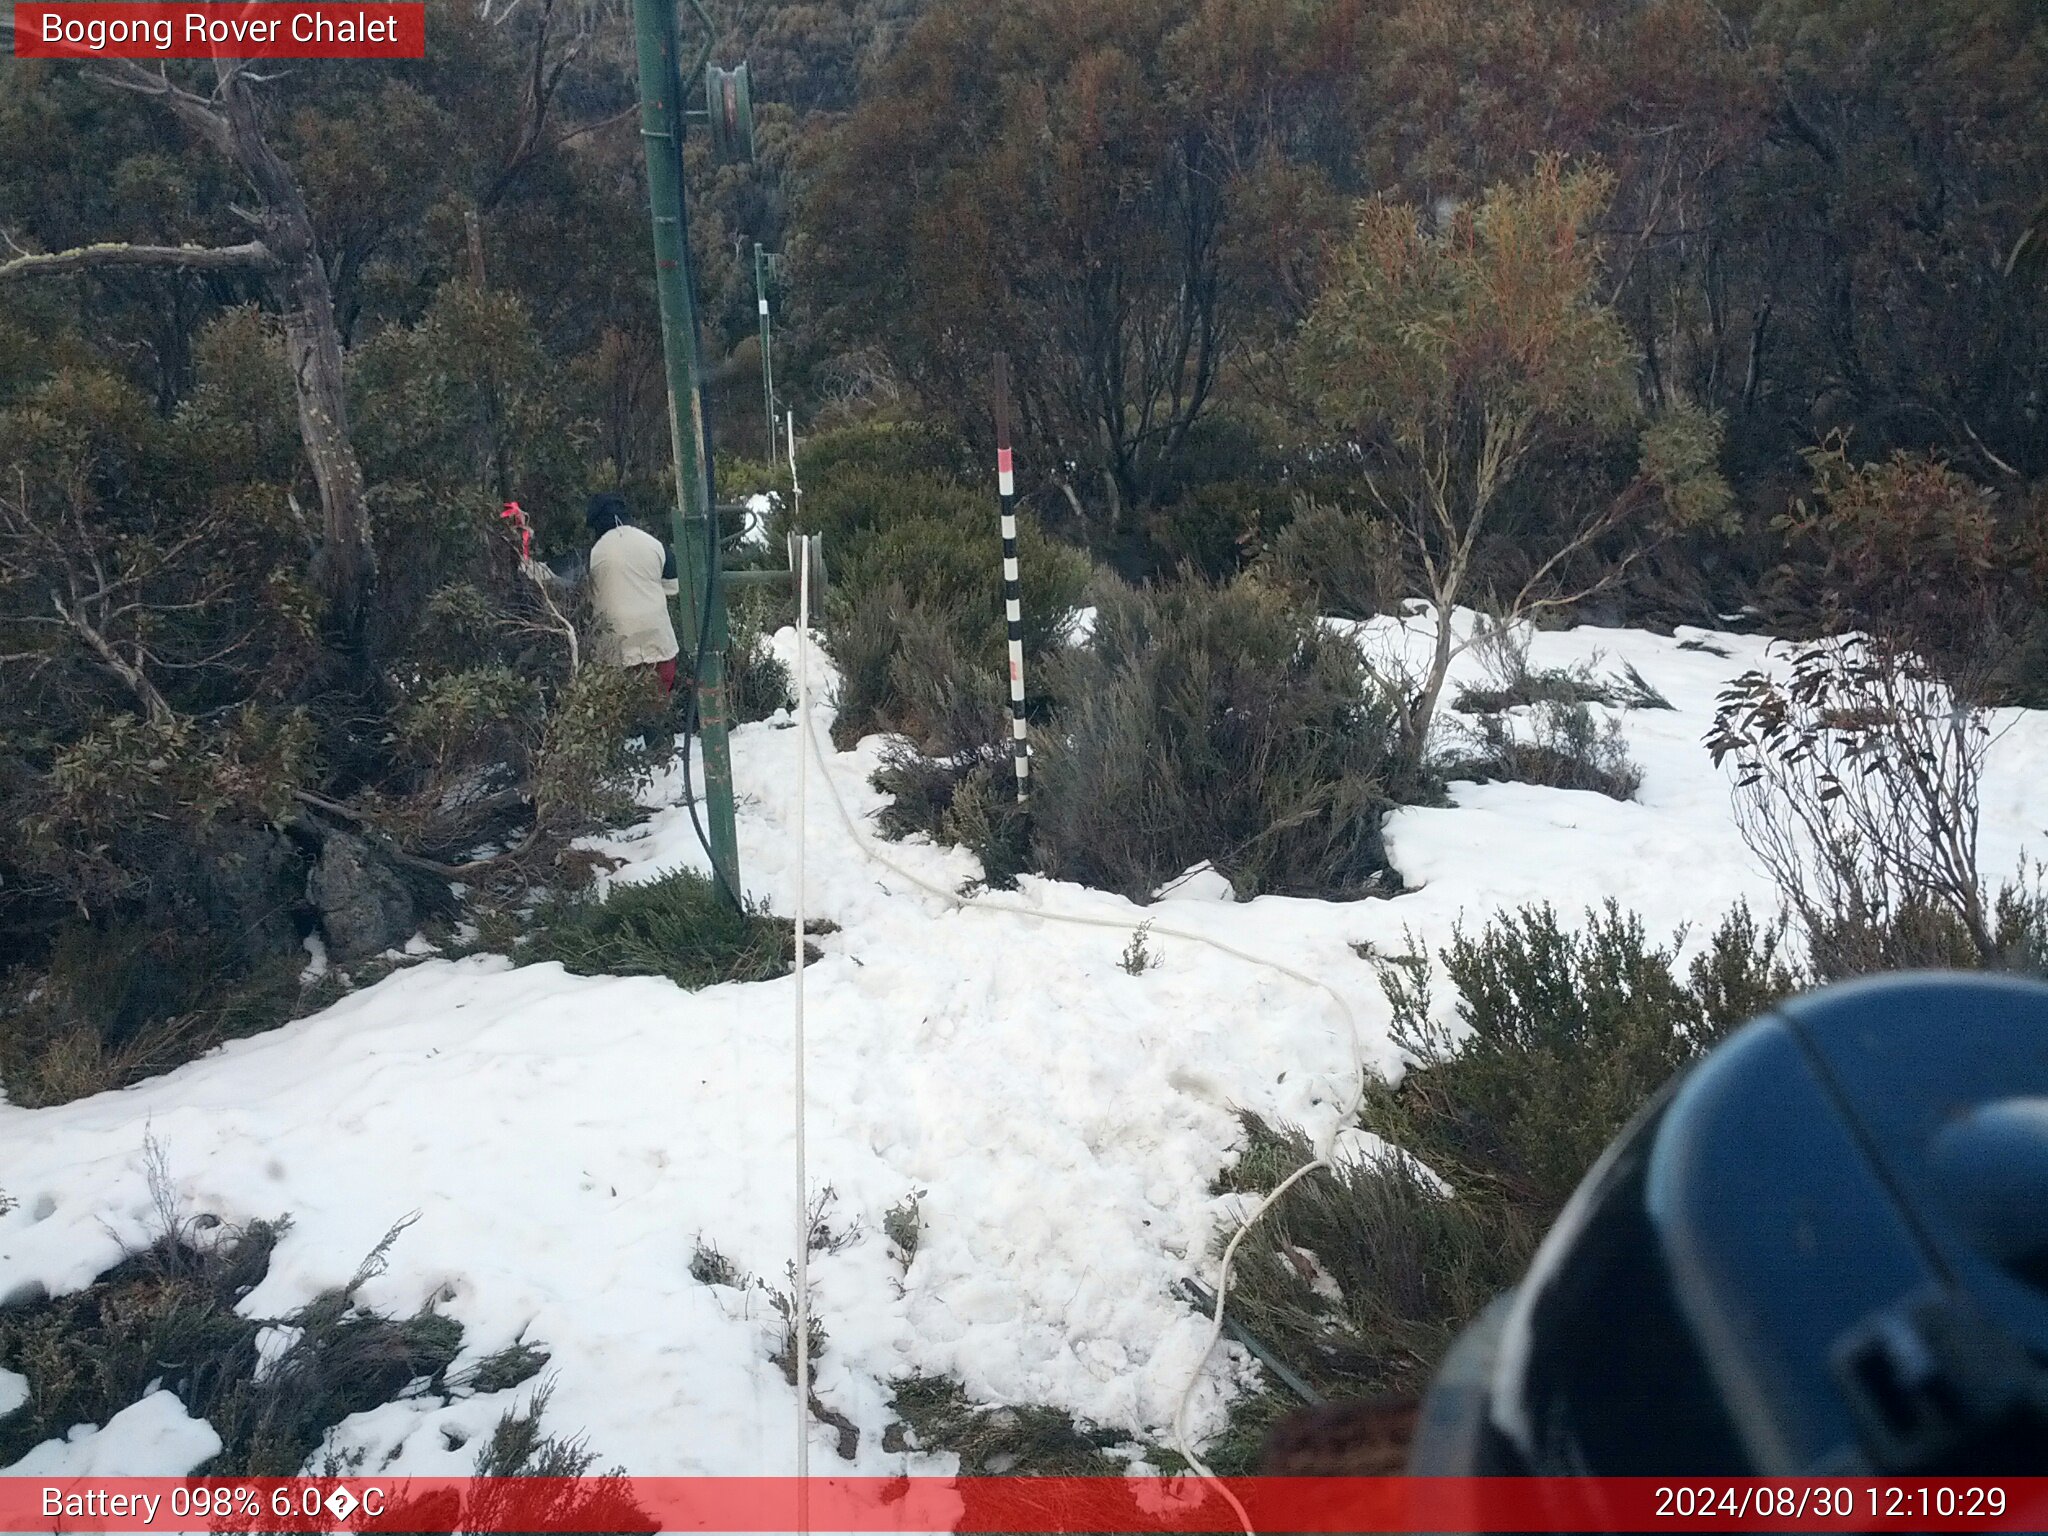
[(515, 1363), (710, 1267), (1030, 1441), (167, 1315), (123, 1001), (1137, 958), (903, 1225), (679, 926)]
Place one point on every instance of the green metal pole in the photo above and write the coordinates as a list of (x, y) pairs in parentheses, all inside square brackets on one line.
[(695, 534), (767, 356)]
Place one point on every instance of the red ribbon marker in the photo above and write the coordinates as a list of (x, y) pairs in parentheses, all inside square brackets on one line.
[(515, 513)]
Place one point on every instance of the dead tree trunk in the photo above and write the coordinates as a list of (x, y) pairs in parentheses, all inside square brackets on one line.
[(287, 255), (345, 569)]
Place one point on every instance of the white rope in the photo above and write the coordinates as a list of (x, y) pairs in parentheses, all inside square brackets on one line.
[(1324, 1145), (802, 1306)]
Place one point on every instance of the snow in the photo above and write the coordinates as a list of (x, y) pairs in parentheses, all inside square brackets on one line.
[(13, 1392), (152, 1438), (1202, 883), (568, 1142)]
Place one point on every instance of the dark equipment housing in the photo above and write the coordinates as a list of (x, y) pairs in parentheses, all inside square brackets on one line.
[(1823, 1251)]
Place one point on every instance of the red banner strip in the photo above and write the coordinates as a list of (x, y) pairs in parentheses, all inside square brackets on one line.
[(268, 29), (1050, 1504)]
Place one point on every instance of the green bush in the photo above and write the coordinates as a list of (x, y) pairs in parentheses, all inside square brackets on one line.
[(1562, 1036), (941, 541), (120, 1001), (607, 732), (972, 806), (1220, 724), (1342, 563), (757, 682), (679, 926), (916, 566), (1410, 1264), (1564, 748), (893, 449), (864, 631), (1216, 528), (169, 1315)]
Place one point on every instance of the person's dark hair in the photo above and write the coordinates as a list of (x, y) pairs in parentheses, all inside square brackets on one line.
[(605, 511)]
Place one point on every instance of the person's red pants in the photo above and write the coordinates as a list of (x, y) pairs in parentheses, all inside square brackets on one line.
[(665, 674)]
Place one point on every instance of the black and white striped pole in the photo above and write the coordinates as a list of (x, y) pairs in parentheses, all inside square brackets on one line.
[(1013, 600)]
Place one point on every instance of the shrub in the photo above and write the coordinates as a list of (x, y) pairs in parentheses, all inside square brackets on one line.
[(604, 737), (1360, 1278), (1910, 551), (477, 715), (758, 685), (1409, 1264), (1516, 685), (1565, 748), (119, 1001), (169, 1315), (1562, 1036), (570, 1498), (975, 809), (942, 542), (1857, 788), (1213, 723), (1632, 690), (757, 682), (1027, 1440), (506, 1368), (1339, 562), (903, 1225), (1214, 529), (1511, 683), (679, 926), (895, 449), (916, 553), (1919, 935)]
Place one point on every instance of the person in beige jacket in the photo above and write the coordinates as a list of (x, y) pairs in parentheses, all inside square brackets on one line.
[(632, 577)]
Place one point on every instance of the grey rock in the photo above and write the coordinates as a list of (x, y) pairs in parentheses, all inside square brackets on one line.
[(364, 907)]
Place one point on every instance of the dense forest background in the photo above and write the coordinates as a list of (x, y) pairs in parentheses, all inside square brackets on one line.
[(1647, 311)]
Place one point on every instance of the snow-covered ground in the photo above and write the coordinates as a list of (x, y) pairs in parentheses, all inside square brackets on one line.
[(568, 1142)]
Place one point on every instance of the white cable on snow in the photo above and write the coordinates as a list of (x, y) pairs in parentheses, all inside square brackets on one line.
[(1324, 1145), (802, 1304)]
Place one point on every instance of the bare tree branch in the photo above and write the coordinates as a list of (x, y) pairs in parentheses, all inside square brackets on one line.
[(153, 704), (196, 111), (255, 255)]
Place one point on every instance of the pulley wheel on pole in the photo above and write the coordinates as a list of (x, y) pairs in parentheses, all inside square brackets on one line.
[(728, 97)]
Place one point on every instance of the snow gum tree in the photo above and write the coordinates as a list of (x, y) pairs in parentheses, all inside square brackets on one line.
[(1458, 360)]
